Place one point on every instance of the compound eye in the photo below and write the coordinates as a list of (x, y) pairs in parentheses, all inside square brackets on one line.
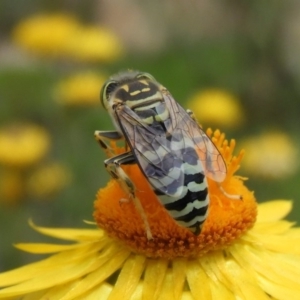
[(146, 76), (106, 91)]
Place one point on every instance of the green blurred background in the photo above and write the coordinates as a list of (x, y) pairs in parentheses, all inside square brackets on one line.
[(248, 49)]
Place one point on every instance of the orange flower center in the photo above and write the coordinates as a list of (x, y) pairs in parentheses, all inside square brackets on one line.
[(228, 219)]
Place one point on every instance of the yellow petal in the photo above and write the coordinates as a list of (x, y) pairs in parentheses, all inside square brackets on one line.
[(277, 290), (58, 291), (293, 232), (138, 293), (69, 233), (273, 210), (32, 296), (277, 243), (55, 263), (187, 296), (154, 275), (129, 278), (218, 283), (242, 282), (26, 272), (45, 248), (278, 227), (59, 275), (167, 287), (179, 269), (279, 269), (99, 292), (219, 291), (52, 277), (197, 279), (112, 264)]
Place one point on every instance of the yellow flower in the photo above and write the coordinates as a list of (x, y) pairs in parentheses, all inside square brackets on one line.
[(244, 251), (80, 89), (271, 155), (22, 145), (94, 44), (48, 180), (46, 34), (62, 35), (213, 106)]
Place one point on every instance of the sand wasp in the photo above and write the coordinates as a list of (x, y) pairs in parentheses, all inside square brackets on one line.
[(166, 142)]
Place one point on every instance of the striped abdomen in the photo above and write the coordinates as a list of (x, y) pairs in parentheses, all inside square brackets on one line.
[(190, 208)]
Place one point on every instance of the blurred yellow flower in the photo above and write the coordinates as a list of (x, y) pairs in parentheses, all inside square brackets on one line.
[(245, 250), (12, 187), (80, 89), (62, 35), (94, 44), (271, 155), (216, 107), (46, 34), (22, 145), (48, 180)]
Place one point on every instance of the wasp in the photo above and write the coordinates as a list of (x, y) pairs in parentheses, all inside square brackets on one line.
[(172, 151)]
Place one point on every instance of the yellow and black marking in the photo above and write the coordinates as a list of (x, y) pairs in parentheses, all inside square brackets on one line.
[(166, 142)]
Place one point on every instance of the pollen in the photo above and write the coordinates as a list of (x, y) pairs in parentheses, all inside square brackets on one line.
[(228, 219)]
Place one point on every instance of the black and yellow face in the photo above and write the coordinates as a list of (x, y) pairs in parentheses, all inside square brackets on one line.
[(134, 89)]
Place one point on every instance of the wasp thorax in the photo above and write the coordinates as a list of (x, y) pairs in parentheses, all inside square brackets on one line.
[(139, 95)]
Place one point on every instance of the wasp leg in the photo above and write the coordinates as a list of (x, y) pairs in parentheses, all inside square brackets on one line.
[(103, 136), (113, 166), (230, 196)]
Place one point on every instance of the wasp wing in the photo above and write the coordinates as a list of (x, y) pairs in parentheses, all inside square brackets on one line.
[(213, 163), (167, 157), (162, 166)]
